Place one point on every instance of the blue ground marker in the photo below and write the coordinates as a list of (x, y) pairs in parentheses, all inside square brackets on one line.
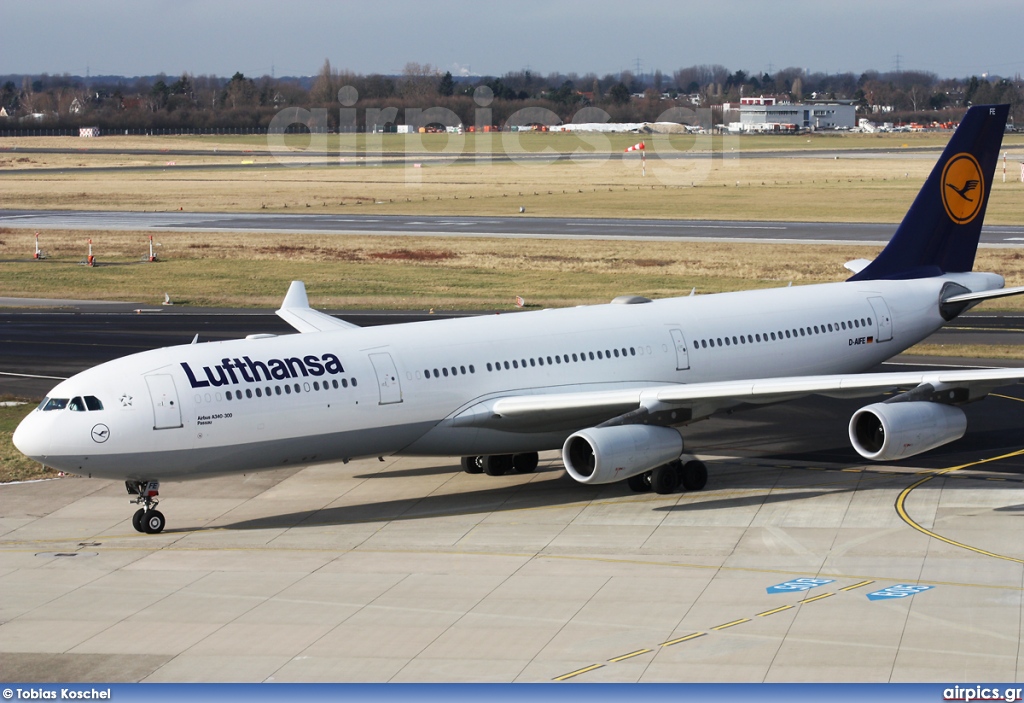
[(900, 590), (797, 585)]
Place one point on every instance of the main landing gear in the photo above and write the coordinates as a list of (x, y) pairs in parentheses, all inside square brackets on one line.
[(500, 464), (667, 478), (147, 518)]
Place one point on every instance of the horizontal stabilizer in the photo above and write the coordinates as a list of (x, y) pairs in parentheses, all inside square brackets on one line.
[(296, 312), (985, 295), (857, 265)]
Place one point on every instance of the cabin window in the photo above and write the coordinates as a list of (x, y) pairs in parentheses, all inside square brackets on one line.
[(462, 369), (471, 369), (227, 394), (354, 383), (259, 393), (344, 383), (334, 383), (288, 390)]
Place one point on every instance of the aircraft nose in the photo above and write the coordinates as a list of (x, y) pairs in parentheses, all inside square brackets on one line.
[(29, 439)]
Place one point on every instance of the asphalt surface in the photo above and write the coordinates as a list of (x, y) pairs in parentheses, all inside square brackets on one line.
[(521, 226)]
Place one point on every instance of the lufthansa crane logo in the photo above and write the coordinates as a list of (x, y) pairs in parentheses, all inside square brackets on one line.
[(100, 433), (963, 188)]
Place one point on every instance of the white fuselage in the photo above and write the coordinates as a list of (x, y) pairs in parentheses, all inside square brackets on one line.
[(196, 410)]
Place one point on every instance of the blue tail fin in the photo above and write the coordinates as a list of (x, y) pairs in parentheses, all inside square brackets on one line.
[(940, 231)]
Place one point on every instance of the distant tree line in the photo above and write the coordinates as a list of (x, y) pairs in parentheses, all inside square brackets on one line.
[(211, 103)]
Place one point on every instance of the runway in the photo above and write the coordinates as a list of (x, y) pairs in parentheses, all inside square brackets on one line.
[(409, 570), (522, 226)]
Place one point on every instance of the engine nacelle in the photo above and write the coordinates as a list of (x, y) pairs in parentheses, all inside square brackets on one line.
[(889, 431), (608, 454)]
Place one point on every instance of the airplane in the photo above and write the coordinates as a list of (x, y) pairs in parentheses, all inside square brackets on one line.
[(611, 385)]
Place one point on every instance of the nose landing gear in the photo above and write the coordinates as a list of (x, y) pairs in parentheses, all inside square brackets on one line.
[(147, 518)]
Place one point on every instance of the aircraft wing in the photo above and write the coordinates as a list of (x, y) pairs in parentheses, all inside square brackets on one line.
[(296, 312), (681, 403)]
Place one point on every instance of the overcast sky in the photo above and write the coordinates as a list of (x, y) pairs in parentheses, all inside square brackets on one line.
[(953, 38)]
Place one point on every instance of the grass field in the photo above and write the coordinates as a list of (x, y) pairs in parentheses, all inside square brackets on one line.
[(366, 271), (735, 184)]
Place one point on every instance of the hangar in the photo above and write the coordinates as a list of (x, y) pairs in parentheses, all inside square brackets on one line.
[(763, 114)]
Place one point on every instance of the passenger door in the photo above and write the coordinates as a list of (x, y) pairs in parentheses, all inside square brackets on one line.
[(387, 378), (682, 355), (166, 408)]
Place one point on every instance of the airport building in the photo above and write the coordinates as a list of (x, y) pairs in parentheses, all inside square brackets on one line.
[(763, 114)]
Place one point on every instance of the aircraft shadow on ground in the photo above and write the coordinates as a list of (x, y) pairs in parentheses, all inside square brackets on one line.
[(555, 489)]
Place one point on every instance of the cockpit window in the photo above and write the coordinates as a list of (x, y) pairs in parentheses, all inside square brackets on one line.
[(93, 403), (77, 405), (55, 403)]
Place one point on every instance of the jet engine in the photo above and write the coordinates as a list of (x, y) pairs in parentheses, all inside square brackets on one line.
[(608, 454), (889, 431)]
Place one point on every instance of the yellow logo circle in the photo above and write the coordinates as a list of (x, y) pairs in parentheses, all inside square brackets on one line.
[(963, 188)]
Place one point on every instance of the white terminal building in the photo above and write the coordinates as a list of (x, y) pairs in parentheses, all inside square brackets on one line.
[(763, 114)]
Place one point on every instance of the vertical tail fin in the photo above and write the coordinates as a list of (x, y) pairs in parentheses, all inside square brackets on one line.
[(940, 231)]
